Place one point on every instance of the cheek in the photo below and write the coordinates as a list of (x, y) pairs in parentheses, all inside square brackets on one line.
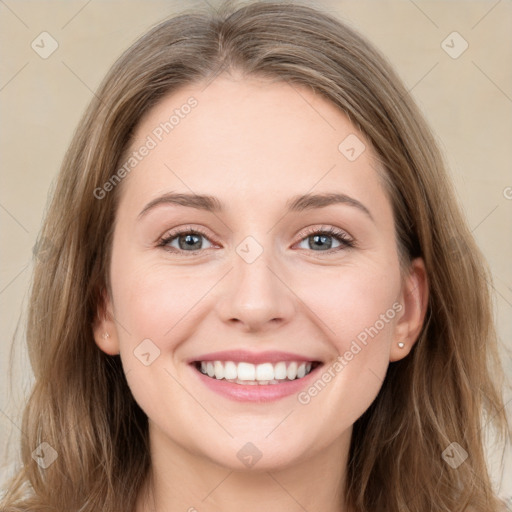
[(354, 301), (358, 310), (161, 303), (153, 301), (154, 308)]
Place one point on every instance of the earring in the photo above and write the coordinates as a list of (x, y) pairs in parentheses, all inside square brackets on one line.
[(401, 344), (106, 335)]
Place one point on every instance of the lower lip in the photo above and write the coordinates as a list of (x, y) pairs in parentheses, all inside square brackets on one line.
[(256, 392)]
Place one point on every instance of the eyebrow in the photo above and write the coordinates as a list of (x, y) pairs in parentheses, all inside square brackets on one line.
[(295, 204)]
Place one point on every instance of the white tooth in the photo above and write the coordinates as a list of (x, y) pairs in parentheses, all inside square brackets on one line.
[(219, 370), (280, 371), (230, 370), (264, 371), (291, 372), (246, 371)]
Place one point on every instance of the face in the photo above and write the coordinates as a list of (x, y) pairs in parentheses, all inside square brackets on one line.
[(268, 312)]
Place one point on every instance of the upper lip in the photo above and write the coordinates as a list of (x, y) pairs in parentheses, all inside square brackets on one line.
[(252, 357)]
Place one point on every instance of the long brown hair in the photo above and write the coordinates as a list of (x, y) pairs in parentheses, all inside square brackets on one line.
[(446, 390)]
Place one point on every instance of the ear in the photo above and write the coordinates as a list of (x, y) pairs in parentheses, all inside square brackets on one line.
[(104, 326), (414, 299)]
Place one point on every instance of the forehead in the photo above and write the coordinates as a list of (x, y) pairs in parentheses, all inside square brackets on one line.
[(251, 138)]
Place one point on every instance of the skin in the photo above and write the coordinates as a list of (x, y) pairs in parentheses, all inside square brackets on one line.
[(254, 144)]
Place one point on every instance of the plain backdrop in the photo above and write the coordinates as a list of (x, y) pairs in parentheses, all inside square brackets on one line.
[(454, 56)]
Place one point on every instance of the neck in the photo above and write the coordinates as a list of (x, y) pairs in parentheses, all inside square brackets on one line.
[(183, 481)]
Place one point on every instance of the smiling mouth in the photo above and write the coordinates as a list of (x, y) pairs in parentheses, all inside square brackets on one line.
[(245, 373)]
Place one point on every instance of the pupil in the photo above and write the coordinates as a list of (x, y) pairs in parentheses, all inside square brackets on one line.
[(322, 239)]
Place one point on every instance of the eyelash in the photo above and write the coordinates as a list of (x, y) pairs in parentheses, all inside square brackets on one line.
[(345, 241)]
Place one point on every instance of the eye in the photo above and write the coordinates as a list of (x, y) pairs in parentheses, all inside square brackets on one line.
[(322, 240), (191, 240), (184, 240)]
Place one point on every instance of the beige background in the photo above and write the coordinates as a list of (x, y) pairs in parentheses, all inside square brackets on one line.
[(468, 101)]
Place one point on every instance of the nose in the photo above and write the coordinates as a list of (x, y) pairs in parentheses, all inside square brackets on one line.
[(255, 296)]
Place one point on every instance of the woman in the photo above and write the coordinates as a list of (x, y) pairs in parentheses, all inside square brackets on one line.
[(258, 290)]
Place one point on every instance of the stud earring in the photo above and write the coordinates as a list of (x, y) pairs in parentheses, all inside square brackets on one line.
[(106, 335), (401, 344)]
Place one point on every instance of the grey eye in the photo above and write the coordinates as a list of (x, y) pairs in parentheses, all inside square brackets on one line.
[(188, 241), (323, 242)]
